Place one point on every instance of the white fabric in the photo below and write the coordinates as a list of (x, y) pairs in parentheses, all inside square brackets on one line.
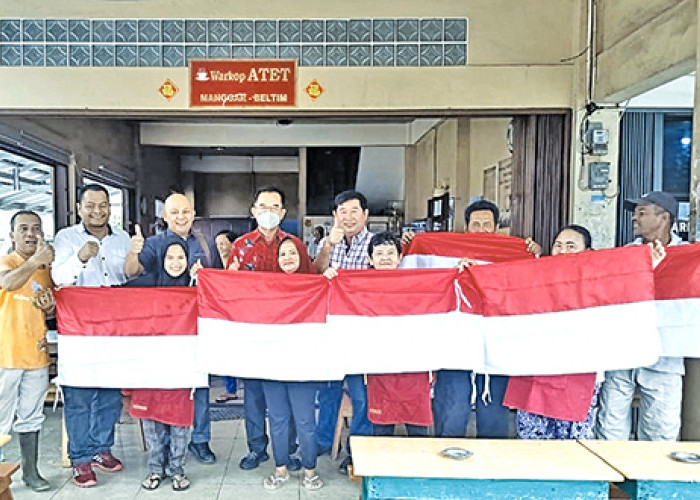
[(298, 351), (147, 362), (105, 269), (579, 341), (422, 261), (679, 327)]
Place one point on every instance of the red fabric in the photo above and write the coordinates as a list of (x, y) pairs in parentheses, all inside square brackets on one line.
[(169, 406), (255, 253), (126, 311), (487, 247), (678, 275), (401, 398), (564, 397), (393, 292), (565, 282), (262, 297)]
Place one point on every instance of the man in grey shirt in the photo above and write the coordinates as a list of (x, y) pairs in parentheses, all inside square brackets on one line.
[(660, 385)]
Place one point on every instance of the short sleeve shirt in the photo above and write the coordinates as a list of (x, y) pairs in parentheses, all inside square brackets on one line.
[(255, 253), (353, 256), (22, 324)]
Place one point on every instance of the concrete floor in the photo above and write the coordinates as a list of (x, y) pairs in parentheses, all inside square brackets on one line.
[(223, 480)]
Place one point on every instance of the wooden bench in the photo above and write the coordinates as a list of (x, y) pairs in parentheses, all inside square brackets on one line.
[(648, 470), (6, 471), (397, 467)]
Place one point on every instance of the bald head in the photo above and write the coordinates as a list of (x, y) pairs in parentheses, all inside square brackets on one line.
[(178, 214)]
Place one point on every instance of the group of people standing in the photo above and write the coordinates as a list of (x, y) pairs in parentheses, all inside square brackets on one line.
[(92, 253)]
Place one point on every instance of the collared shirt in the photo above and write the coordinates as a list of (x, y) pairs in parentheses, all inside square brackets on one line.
[(255, 253), (105, 269), (355, 255), (151, 258), (22, 324), (667, 364)]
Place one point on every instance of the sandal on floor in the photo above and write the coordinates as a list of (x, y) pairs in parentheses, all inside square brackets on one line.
[(152, 481), (180, 482), (312, 483), (273, 481)]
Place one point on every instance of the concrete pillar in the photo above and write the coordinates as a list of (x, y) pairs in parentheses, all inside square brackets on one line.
[(690, 427)]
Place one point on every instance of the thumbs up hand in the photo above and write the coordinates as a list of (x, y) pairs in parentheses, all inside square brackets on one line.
[(196, 267), (136, 241), (44, 252)]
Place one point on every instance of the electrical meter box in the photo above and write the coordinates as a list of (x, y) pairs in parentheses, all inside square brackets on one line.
[(598, 175), (597, 139)]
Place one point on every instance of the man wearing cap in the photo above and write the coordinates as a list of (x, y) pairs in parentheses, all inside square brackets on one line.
[(660, 385)]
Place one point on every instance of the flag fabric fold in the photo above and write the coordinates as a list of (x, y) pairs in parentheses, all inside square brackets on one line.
[(128, 337), (442, 250), (265, 325), (576, 313), (677, 281)]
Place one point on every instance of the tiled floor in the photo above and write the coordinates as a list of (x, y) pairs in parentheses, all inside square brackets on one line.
[(223, 480)]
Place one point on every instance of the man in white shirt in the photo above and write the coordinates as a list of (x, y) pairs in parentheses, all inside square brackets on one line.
[(91, 253)]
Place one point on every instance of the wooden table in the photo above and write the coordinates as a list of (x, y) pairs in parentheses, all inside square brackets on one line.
[(396, 467), (6, 471), (648, 470)]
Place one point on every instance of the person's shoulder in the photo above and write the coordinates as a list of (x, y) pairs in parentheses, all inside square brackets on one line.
[(66, 231), (11, 260), (120, 233)]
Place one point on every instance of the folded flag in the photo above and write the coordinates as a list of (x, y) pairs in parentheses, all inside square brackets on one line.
[(128, 337), (574, 313), (399, 398), (431, 250), (265, 325), (678, 301), (402, 321)]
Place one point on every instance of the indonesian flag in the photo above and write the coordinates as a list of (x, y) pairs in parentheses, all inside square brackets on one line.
[(128, 338), (441, 250), (577, 313), (266, 325), (678, 301), (394, 321)]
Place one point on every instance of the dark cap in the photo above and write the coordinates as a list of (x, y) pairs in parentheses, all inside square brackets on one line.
[(664, 200)]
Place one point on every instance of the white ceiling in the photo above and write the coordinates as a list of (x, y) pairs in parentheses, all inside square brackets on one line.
[(677, 93)]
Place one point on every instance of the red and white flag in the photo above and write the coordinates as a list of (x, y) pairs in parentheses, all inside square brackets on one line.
[(266, 325), (128, 338), (442, 250), (575, 313), (402, 321), (678, 301)]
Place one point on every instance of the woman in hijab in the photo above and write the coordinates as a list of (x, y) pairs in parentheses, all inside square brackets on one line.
[(289, 402)]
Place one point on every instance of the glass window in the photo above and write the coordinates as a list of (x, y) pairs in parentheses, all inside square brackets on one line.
[(678, 133), (25, 185)]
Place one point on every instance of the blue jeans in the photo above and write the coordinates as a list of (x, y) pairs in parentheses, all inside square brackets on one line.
[(201, 432), (231, 384), (329, 396), (360, 425), (90, 414), (452, 405), (292, 404)]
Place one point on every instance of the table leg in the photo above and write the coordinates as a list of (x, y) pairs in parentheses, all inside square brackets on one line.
[(65, 460), (375, 488), (649, 490)]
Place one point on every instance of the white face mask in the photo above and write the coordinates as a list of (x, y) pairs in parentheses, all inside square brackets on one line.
[(268, 220)]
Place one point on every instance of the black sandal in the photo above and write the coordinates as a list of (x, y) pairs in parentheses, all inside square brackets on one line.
[(152, 481)]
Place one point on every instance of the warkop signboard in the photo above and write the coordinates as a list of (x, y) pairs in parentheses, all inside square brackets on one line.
[(242, 82)]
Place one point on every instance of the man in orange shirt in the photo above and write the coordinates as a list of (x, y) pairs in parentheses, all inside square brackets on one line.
[(25, 300)]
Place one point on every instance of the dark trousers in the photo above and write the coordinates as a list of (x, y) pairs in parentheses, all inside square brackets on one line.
[(90, 415), (201, 431), (292, 404), (452, 405), (254, 408), (329, 396)]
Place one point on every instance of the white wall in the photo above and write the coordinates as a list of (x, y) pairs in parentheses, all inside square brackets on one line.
[(380, 175)]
